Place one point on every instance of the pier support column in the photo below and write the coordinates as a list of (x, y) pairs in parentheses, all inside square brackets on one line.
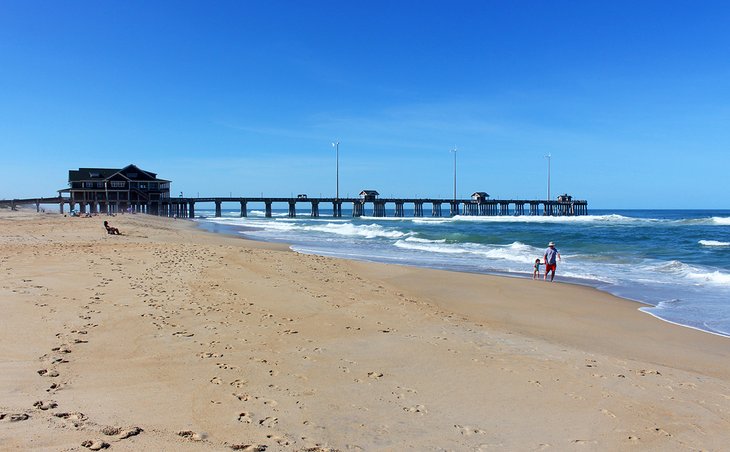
[(191, 212), (454, 208), (244, 212), (292, 209), (436, 209), (218, 208), (315, 209), (399, 209), (337, 209), (504, 208), (378, 208), (418, 209), (268, 209), (357, 208)]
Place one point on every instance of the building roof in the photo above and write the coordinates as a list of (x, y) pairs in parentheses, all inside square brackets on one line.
[(131, 172)]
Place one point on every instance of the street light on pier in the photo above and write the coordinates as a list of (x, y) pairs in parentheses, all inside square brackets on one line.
[(336, 145), (548, 157), (454, 151)]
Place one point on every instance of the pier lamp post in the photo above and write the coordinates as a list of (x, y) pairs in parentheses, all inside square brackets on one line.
[(336, 145), (548, 157), (454, 151)]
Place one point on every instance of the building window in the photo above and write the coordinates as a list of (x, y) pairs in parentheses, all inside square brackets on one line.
[(118, 184)]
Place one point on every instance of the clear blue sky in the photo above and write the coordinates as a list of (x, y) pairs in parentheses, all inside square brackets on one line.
[(631, 98)]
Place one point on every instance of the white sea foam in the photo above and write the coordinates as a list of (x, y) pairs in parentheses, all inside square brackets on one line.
[(713, 243), (723, 221), (367, 231), (419, 240), (514, 252), (714, 277)]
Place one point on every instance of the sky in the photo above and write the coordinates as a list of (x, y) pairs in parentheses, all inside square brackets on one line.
[(631, 100)]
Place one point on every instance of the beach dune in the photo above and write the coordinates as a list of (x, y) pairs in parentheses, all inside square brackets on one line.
[(170, 338)]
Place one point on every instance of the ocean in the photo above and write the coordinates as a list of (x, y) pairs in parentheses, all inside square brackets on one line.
[(676, 262)]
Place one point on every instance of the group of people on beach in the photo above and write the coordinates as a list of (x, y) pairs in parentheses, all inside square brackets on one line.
[(551, 256)]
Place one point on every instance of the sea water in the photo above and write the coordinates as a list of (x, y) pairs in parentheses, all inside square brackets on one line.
[(677, 262)]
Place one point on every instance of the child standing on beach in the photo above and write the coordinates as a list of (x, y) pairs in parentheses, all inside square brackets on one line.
[(536, 271)]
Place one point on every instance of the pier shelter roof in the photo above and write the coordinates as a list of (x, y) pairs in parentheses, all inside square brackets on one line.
[(369, 194)]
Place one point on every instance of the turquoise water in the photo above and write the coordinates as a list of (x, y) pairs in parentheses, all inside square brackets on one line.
[(677, 262)]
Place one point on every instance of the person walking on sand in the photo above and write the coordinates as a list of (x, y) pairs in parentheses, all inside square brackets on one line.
[(551, 257), (536, 271)]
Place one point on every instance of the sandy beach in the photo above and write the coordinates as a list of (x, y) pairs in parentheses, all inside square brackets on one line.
[(171, 338)]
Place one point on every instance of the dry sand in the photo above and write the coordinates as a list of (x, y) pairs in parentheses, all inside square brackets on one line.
[(170, 338)]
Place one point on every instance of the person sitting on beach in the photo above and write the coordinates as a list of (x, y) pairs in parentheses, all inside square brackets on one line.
[(536, 271), (551, 253), (111, 230)]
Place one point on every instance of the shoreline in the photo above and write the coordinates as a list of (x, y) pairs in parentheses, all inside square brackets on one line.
[(215, 342), (239, 232)]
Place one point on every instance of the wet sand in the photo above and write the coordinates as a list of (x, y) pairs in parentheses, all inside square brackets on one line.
[(171, 338)]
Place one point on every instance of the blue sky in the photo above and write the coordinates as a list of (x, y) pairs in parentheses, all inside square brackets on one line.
[(631, 99)]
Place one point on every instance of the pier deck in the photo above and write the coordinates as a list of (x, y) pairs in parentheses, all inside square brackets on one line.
[(185, 207)]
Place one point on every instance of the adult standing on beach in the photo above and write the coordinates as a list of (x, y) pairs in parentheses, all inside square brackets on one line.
[(551, 257)]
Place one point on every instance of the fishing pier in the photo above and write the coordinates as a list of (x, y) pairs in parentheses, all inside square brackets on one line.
[(131, 189), (377, 207)]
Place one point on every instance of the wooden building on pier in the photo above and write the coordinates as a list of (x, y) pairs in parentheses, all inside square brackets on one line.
[(107, 190)]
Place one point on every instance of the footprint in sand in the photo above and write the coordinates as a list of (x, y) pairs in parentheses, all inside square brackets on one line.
[(216, 381), (242, 397), (191, 435), (607, 413), (375, 375), (238, 383), (416, 409), (95, 444), (45, 404), (54, 387), (249, 447), (51, 373), (245, 418), (75, 417), (269, 421), (183, 334), (14, 417), (122, 433), (467, 430), (267, 402)]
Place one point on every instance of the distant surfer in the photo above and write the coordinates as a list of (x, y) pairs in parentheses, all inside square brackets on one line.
[(552, 256)]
